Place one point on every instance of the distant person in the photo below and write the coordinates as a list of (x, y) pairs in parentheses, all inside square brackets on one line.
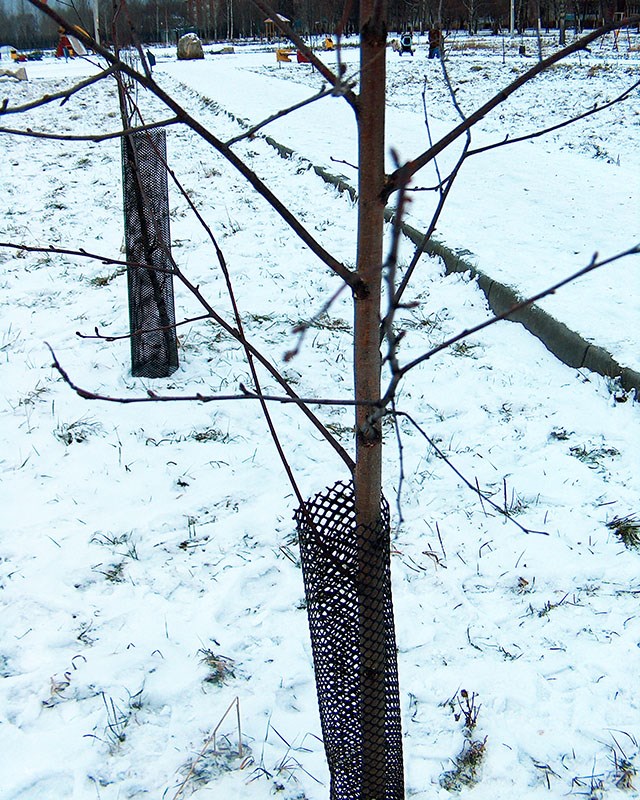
[(406, 43), (435, 42), (64, 45), (151, 60)]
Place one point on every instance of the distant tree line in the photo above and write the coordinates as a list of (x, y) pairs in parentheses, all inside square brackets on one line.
[(162, 21), (20, 29)]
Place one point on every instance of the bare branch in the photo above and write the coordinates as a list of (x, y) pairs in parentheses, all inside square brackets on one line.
[(347, 275), (444, 192), (437, 187), (302, 328), (244, 394), (322, 429), (237, 332), (401, 475), (389, 271), (251, 361), (452, 91), (428, 127), (278, 115), (544, 131), (103, 337), (432, 226), (80, 253), (342, 161), (63, 95), (211, 314), (90, 137), (474, 487), (593, 265), (402, 175), (339, 87)]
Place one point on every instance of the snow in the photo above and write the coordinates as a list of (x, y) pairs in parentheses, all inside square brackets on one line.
[(140, 542)]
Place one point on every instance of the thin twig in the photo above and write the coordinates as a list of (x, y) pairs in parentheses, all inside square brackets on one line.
[(63, 95), (444, 194), (80, 253), (211, 314), (428, 127), (244, 394), (302, 327), (526, 137), (342, 161), (279, 115), (90, 137), (401, 476), (482, 495), (336, 81), (132, 334), (593, 264)]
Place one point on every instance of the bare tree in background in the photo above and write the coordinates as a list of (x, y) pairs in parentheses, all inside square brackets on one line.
[(375, 336)]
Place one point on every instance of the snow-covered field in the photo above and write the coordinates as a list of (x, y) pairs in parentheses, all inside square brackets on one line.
[(149, 568)]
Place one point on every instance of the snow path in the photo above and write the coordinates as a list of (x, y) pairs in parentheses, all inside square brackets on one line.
[(527, 215)]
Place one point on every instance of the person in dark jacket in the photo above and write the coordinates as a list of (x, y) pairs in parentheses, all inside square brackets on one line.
[(435, 42)]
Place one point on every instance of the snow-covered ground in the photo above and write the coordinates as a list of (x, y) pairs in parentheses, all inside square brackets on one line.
[(148, 565), (528, 214)]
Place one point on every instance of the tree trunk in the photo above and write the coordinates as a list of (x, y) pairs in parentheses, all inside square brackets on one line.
[(371, 118), (562, 23), (368, 471)]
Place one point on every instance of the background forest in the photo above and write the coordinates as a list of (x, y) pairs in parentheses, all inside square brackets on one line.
[(161, 21)]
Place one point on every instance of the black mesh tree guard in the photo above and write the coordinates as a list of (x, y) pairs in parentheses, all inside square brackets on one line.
[(154, 347), (348, 589)]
